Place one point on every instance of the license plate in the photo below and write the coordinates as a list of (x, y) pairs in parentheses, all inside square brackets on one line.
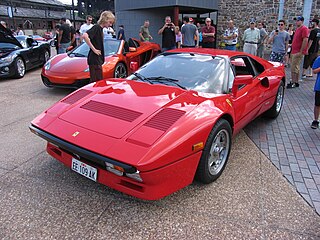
[(84, 169)]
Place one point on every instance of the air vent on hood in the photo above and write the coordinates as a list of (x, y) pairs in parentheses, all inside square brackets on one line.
[(112, 111), (76, 96), (164, 119)]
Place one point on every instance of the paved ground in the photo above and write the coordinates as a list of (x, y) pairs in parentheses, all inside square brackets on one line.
[(291, 144), (41, 199)]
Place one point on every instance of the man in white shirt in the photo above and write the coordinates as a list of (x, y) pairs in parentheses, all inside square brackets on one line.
[(108, 32), (86, 26)]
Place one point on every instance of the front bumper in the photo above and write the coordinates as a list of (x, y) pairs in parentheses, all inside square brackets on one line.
[(7, 70), (75, 84), (155, 184)]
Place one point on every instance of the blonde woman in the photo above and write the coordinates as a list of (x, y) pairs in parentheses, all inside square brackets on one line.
[(94, 38), (178, 36)]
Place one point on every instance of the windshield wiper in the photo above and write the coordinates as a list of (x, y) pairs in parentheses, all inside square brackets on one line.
[(167, 79), (78, 55), (141, 77)]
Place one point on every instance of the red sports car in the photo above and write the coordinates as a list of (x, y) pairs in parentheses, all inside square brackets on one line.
[(169, 122), (70, 70)]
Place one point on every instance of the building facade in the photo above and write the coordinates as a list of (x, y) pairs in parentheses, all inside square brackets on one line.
[(132, 14), (35, 16), (267, 11)]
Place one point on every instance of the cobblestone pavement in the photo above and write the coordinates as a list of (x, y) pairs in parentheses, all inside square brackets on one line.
[(290, 143)]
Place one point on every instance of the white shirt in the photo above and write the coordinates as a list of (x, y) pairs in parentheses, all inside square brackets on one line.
[(85, 27), (108, 32)]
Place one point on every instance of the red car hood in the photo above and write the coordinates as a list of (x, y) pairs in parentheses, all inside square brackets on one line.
[(63, 63), (133, 122), (118, 109)]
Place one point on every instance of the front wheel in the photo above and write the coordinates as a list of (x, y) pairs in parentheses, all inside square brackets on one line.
[(120, 71), (20, 68), (274, 111), (215, 153), (46, 57)]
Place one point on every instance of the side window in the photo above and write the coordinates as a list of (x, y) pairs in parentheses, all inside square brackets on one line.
[(242, 66), (29, 42), (258, 66)]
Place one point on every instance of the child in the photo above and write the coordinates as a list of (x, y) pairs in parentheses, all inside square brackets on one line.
[(316, 70), (94, 38)]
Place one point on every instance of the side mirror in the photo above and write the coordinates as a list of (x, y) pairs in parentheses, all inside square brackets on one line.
[(134, 66), (241, 80), (132, 49)]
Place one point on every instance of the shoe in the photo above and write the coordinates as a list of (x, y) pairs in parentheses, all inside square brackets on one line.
[(303, 76), (315, 124), (292, 85)]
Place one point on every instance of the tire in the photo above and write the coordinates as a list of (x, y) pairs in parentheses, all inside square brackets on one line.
[(274, 111), (46, 57), (120, 71), (20, 68), (216, 153)]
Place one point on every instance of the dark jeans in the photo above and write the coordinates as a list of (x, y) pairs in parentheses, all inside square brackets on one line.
[(168, 48), (208, 44), (183, 46), (95, 73)]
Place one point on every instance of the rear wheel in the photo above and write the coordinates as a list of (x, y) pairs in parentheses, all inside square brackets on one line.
[(20, 68), (215, 153), (120, 71), (274, 111)]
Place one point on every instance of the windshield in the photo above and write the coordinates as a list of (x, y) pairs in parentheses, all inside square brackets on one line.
[(22, 41), (203, 73), (110, 47), (8, 46)]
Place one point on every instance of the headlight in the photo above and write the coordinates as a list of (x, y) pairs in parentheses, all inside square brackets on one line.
[(47, 65), (86, 70), (8, 59)]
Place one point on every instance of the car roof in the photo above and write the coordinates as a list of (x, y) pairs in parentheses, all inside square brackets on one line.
[(220, 52)]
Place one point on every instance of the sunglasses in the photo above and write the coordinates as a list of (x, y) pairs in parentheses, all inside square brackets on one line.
[(280, 24)]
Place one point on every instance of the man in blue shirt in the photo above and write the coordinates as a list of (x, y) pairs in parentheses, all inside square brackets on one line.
[(316, 70)]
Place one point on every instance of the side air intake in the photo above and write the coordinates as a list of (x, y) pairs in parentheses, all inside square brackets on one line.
[(164, 119), (76, 96)]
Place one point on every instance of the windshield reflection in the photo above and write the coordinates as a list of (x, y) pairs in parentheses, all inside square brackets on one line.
[(202, 73), (111, 46)]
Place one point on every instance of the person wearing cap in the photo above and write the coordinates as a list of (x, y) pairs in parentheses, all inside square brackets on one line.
[(251, 37), (299, 49), (313, 48), (189, 31), (230, 36), (280, 43), (208, 34)]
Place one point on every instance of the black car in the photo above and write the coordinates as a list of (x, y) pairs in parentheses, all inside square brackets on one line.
[(20, 53)]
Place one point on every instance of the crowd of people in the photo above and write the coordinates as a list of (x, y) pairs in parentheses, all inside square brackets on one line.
[(289, 46)]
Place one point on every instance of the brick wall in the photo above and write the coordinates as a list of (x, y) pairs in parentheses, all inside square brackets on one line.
[(241, 11)]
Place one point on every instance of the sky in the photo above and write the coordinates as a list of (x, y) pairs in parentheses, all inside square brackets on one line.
[(69, 2)]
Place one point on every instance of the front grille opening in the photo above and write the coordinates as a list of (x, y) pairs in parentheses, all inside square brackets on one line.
[(132, 186)]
